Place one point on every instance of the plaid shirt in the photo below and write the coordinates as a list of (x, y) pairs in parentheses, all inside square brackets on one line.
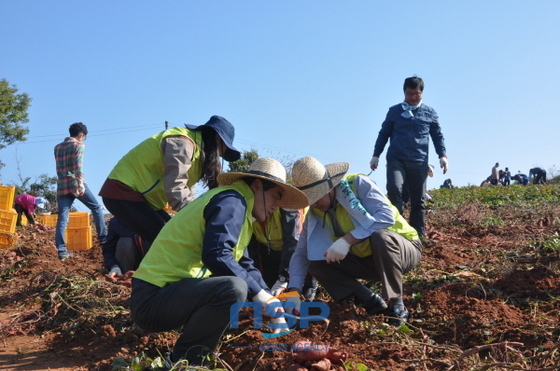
[(69, 158)]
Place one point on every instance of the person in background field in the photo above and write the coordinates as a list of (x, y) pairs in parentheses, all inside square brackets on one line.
[(197, 267), (123, 250), (507, 177), (273, 243), (71, 185), (409, 125), (495, 176), (351, 223), (520, 178), (28, 204), (538, 175), (163, 169)]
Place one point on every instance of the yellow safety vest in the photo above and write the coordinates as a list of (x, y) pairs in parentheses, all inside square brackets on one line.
[(142, 168), (177, 251)]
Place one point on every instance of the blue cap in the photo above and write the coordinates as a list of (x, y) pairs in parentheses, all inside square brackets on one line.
[(226, 131)]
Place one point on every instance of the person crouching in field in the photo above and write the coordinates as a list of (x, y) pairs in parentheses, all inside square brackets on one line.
[(197, 267)]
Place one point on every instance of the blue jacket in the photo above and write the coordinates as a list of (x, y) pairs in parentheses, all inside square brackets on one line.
[(410, 137)]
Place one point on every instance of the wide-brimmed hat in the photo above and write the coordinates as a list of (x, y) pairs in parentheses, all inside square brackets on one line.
[(226, 131), (316, 180), (40, 202), (273, 171)]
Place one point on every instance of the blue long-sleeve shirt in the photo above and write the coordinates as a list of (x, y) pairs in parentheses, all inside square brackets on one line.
[(410, 137), (224, 217)]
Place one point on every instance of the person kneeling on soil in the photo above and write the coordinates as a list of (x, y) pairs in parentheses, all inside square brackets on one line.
[(271, 248), (352, 232), (197, 267)]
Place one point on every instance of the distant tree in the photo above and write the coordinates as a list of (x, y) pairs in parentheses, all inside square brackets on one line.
[(242, 165), (13, 113)]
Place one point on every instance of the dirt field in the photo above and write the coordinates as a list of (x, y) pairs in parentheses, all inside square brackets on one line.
[(485, 297)]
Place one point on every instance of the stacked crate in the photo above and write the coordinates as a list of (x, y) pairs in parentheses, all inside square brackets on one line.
[(78, 230), (8, 217)]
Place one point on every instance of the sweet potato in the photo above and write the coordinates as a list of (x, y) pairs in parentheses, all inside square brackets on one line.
[(322, 365), (308, 351)]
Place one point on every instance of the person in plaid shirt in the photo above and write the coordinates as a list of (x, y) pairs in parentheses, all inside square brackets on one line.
[(71, 185)]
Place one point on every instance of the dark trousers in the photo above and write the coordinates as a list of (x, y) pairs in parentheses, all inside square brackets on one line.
[(138, 216), (201, 306), (20, 211), (415, 175)]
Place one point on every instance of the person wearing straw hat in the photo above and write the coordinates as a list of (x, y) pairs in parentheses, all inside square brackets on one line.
[(197, 266), (164, 169), (410, 125), (352, 232)]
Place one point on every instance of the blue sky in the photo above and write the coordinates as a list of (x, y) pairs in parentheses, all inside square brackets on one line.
[(295, 78)]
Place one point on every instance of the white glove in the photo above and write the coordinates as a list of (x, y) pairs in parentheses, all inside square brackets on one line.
[(262, 297), (338, 250), (443, 164), (115, 271), (374, 162), (295, 301), (279, 287), (279, 320)]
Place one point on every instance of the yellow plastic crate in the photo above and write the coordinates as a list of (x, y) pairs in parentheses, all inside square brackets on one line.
[(7, 240), (8, 221), (79, 219), (49, 220), (78, 239), (7, 194)]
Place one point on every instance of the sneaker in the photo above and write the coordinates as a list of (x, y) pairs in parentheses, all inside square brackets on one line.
[(64, 255), (180, 365), (396, 316), (375, 305)]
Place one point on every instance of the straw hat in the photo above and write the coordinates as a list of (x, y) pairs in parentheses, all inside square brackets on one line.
[(273, 171), (316, 180)]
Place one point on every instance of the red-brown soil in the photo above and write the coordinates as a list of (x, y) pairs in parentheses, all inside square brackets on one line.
[(482, 298)]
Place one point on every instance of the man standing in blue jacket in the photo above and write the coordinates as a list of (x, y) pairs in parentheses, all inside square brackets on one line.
[(410, 125)]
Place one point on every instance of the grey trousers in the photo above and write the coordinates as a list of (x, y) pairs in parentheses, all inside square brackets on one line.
[(201, 306), (392, 256)]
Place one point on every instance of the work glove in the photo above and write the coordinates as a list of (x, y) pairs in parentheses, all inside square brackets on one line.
[(279, 287), (295, 301), (115, 271), (338, 250), (374, 162), (443, 163), (265, 298), (279, 320)]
